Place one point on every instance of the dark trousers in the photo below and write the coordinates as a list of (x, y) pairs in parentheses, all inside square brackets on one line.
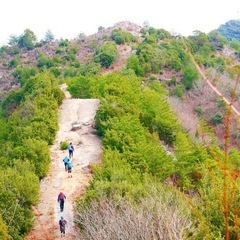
[(61, 204), (70, 153), (62, 229)]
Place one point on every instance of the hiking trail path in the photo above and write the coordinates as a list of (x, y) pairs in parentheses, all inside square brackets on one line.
[(87, 150)]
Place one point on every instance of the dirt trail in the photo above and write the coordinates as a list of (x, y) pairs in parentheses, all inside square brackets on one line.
[(200, 71), (87, 150)]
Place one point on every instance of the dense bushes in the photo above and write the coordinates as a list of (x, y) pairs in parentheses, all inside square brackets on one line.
[(106, 54), (132, 119), (153, 57), (3, 230), (29, 125), (143, 143), (121, 37), (19, 188)]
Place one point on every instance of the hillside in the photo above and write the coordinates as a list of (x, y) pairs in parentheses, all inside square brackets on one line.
[(168, 121), (12, 57), (230, 30), (64, 58)]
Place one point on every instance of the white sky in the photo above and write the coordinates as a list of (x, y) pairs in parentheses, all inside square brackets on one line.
[(66, 19)]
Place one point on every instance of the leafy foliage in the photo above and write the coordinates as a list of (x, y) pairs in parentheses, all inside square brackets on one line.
[(30, 126), (106, 54), (49, 37), (142, 139), (27, 39), (121, 37), (190, 75), (44, 61), (19, 189), (3, 230), (216, 119)]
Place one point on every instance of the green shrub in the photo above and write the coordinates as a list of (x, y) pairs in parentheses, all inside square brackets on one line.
[(216, 119), (106, 54), (178, 91), (22, 74), (56, 71), (190, 75), (15, 50), (63, 43), (221, 103), (121, 37), (70, 72), (13, 63), (199, 111), (3, 230), (134, 63), (21, 189), (73, 50), (44, 61), (63, 145), (70, 57), (92, 44), (27, 39), (172, 81), (37, 152), (59, 51)]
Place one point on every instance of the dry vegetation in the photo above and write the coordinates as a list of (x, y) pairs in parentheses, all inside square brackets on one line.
[(109, 219)]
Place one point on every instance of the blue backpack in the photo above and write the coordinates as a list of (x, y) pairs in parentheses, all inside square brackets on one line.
[(66, 159), (69, 165)]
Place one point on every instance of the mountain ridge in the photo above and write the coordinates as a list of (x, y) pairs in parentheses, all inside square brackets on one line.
[(62, 55), (165, 117)]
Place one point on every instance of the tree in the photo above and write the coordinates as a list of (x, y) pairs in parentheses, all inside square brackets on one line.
[(101, 29), (121, 37), (27, 39), (49, 37), (190, 75), (106, 54), (146, 24), (133, 63), (81, 37), (13, 40)]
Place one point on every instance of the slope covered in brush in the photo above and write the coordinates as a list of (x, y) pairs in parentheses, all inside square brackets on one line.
[(159, 120)]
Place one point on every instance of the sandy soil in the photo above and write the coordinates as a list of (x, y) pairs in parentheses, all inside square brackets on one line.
[(87, 150)]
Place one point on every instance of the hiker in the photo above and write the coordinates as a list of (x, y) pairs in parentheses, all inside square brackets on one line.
[(65, 161), (69, 168), (62, 224), (61, 199), (70, 150)]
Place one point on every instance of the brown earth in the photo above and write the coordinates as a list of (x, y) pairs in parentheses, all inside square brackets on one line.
[(87, 150)]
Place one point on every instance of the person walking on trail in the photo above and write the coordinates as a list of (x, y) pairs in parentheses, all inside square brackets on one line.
[(70, 149), (62, 224), (65, 161), (69, 168), (61, 200)]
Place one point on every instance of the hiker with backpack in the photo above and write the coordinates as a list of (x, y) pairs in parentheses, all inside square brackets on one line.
[(69, 168), (62, 223), (70, 150), (65, 161), (61, 200)]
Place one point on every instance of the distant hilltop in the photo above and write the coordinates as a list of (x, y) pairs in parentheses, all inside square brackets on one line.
[(230, 30)]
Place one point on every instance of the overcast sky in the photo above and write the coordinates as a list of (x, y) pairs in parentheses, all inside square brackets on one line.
[(67, 18)]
